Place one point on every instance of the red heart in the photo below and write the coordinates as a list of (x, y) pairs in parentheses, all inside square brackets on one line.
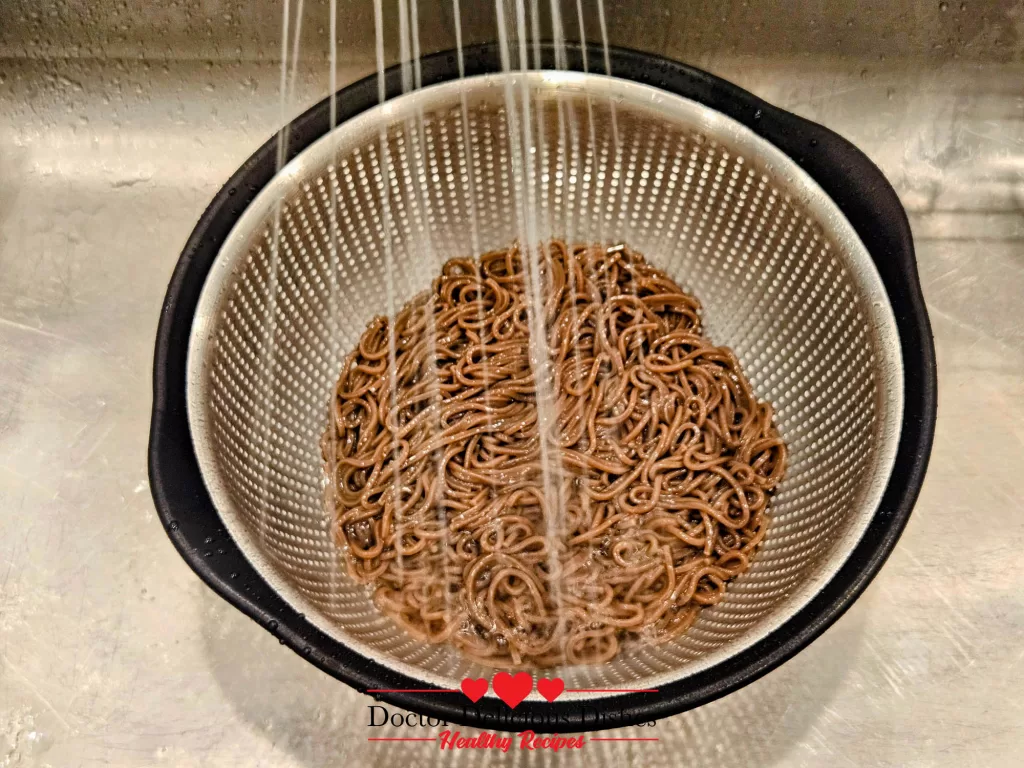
[(512, 690), (550, 689), (474, 689)]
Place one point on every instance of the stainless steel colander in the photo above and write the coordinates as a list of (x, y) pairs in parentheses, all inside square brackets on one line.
[(785, 279)]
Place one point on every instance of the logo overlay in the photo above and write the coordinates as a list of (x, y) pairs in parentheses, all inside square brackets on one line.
[(474, 689), (550, 689), (512, 690)]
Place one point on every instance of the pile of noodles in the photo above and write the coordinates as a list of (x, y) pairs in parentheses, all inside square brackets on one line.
[(660, 460)]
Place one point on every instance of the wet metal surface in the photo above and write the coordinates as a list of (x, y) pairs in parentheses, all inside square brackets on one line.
[(113, 653)]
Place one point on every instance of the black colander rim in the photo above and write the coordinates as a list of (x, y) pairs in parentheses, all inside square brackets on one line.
[(193, 524)]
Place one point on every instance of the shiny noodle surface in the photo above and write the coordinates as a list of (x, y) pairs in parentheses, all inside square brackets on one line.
[(664, 460)]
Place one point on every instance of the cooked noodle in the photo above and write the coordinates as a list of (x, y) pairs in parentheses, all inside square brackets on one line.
[(666, 461)]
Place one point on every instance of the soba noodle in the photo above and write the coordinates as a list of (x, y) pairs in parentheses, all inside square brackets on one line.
[(666, 461)]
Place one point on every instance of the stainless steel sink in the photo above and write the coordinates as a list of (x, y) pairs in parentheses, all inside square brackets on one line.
[(118, 123)]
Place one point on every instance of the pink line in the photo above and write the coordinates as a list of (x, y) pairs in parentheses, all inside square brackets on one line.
[(622, 739), (611, 690), (412, 690), (384, 739)]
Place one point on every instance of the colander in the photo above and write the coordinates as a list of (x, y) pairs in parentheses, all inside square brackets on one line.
[(793, 241)]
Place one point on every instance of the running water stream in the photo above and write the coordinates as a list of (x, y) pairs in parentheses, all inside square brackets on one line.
[(334, 267), (269, 341), (520, 34), (524, 156)]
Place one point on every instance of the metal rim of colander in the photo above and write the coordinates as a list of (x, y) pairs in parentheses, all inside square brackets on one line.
[(853, 183)]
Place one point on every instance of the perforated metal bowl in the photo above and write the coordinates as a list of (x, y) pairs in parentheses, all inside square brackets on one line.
[(787, 280)]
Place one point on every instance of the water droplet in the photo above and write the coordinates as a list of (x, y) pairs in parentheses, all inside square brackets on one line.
[(173, 525), (233, 575), (757, 115), (272, 625)]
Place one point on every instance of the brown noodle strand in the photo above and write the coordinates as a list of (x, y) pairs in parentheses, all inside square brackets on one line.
[(668, 461)]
